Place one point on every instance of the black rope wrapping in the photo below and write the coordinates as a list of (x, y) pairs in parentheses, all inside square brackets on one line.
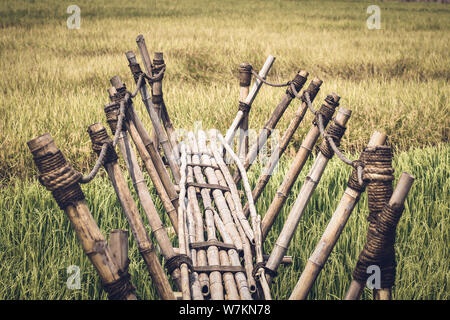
[(245, 74), (326, 111), (136, 71), (383, 219), (268, 271), (335, 131), (58, 176), (98, 139), (244, 107), (112, 111), (353, 181), (298, 82), (176, 261), (121, 288)]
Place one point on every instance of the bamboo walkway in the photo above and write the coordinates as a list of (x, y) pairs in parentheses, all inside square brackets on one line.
[(204, 189)]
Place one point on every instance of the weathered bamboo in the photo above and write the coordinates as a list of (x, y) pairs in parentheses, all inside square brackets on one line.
[(168, 151), (147, 100), (99, 136), (171, 133), (278, 151), (245, 77), (185, 281), (215, 277), (286, 259), (311, 182), (201, 258), (70, 198), (298, 81), (218, 195), (246, 286), (331, 234), (146, 201), (256, 219), (250, 98), (118, 244), (291, 176), (396, 201)]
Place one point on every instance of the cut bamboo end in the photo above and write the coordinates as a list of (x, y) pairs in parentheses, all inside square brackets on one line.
[(116, 82), (401, 190), (377, 139), (131, 57), (41, 145)]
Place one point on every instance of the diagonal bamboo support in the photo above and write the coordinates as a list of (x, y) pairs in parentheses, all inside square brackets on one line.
[(245, 77), (308, 188), (98, 137), (50, 162), (332, 232), (331, 102), (298, 81), (278, 151)]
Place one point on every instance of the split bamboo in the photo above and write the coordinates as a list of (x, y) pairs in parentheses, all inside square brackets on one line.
[(215, 278), (331, 234), (311, 182), (298, 81), (99, 136), (291, 176), (397, 200), (69, 196), (278, 151)]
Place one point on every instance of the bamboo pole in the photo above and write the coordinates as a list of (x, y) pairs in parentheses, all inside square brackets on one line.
[(99, 136), (146, 99), (396, 201), (250, 98), (311, 182), (278, 151), (143, 136), (245, 77), (331, 234), (146, 201), (215, 277), (218, 196), (291, 176), (168, 151), (201, 257), (70, 198), (118, 243), (187, 225), (298, 81), (164, 114)]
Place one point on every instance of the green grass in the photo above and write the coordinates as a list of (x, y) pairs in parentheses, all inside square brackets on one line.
[(395, 80), (38, 243)]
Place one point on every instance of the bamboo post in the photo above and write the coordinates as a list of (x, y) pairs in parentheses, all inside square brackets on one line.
[(52, 165), (331, 102), (298, 81), (145, 199), (168, 151), (332, 232), (164, 114), (305, 194), (215, 277), (278, 151), (249, 100), (99, 136), (396, 202), (118, 243), (111, 111), (245, 77)]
